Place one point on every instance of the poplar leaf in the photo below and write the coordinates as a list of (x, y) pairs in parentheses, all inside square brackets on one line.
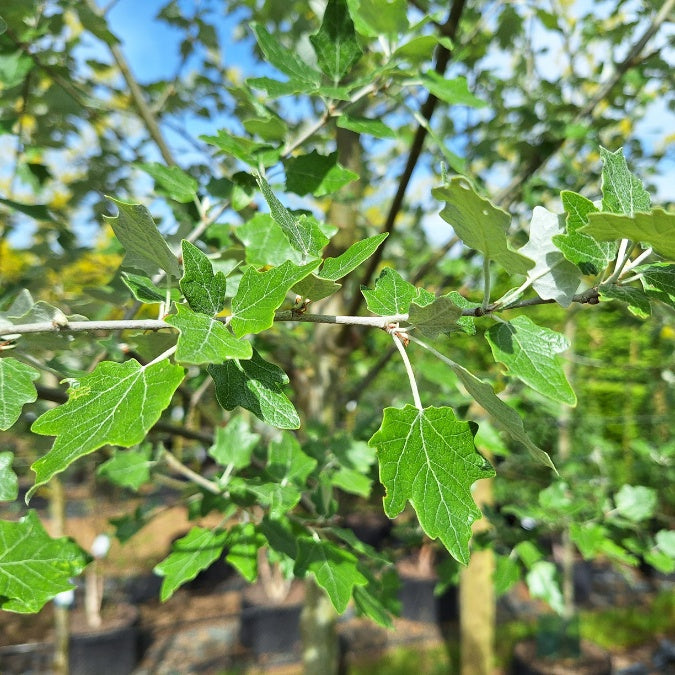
[(234, 444), (357, 253), (261, 293), (392, 294), (334, 568), (658, 281), (204, 290), (265, 242), (428, 457), (317, 174), (635, 298), (173, 181), (362, 125), (335, 44), (137, 232), (315, 288), (454, 91), (479, 224), (243, 544), (439, 316), (529, 352), (622, 192), (287, 463), (553, 277), (16, 389), (33, 567), (374, 18), (9, 481), (128, 468), (204, 339), (189, 555), (303, 233), (255, 385), (657, 229), (116, 404)]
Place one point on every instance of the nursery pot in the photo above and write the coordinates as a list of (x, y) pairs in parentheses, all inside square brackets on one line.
[(267, 628), (592, 660), (419, 603)]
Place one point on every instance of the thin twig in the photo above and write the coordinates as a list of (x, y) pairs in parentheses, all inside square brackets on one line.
[(186, 471)]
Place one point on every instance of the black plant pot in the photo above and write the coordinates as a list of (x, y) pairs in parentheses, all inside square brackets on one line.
[(592, 660), (270, 629), (418, 602)]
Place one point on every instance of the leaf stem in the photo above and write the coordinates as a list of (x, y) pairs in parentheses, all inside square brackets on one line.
[(408, 369), (186, 471), (486, 282)]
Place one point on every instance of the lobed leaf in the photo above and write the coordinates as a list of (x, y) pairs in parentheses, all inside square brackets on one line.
[(439, 316), (9, 481), (428, 457), (391, 295), (204, 290), (128, 468), (658, 281), (265, 242), (454, 91), (116, 404), (357, 253), (635, 298), (234, 444), (529, 352), (173, 181), (16, 389), (622, 192), (316, 174)]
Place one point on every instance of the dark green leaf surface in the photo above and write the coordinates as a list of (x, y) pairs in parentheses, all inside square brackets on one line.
[(16, 389), (260, 294), (173, 181), (287, 463), (658, 281), (189, 555), (357, 253), (255, 385), (244, 149), (392, 294), (137, 232), (9, 482), (553, 277), (334, 568), (204, 290), (636, 299), (33, 567), (234, 444), (656, 229), (589, 255), (116, 404), (144, 290), (204, 339), (621, 191), (316, 174), (480, 224), (335, 44), (429, 459), (440, 316), (285, 60), (303, 233), (128, 468), (315, 288), (529, 352), (266, 243)]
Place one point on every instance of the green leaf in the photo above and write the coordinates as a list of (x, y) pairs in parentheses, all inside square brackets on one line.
[(204, 339), (172, 181), (542, 582), (277, 498), (116, 404), (234, 444), (374, 18), (244, 149), (33, 567), (9, 481), (287, 463), (243, 544), (14, 67), (480, 224), (334, 569), (16, 389), (137, 232), (265, 242), (440, 316), (128, 468), (428, 457), (361, 125), (35, 211), (635, 298), (656, 229), (315, 288), (357, 253), (504, 417), (529, 352), (635, 502), (255, 385), (658, 281), (189, 556), (553, 277), (144, 290), (454, 91), (589, 538), (665, 540), (589, 255), (285, 60), (303, 233), (276, 88), (335, 44), (317, 174), (391, 295), (352, 481), (506, 574), (204, 290), (260, 294), (621, 191), (421, 48)]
